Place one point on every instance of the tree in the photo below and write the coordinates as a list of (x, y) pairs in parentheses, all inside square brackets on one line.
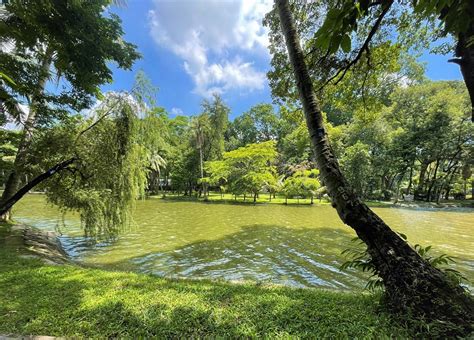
[(45, 45), (411, 284), (302, 183), (98, 168), (356, 164), (247, 169), (201, 129), (259, 124), (433, 133), (368, 83), (8, 148), (458, 20), (345, 18), (218, 114), (218, 173)]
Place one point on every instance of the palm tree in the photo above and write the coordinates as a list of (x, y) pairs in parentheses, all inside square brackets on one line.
[(156, 164), (200, 127)]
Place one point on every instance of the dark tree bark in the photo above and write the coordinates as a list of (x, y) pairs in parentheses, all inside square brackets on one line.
[(8, 204), (410, 182), (419, 191), (465, 60), (411, 284), (429, 194)]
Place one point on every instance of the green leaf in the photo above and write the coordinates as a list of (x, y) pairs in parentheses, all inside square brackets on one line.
[(7, 78), (403, 236), (322, 41), (335, 43), (346, 43)]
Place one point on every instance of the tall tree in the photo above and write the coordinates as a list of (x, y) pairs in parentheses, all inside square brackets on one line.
[(201, 130), (72, 41), (411, 284), (259, 124), (218, 113)]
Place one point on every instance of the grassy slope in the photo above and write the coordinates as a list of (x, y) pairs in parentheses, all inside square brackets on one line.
[(39, 299)]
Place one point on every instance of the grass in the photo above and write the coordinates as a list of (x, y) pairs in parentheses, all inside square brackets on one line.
[(40, 299), (215, 197)]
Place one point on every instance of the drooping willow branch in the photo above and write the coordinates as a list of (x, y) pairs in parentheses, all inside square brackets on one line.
[(64, 165)]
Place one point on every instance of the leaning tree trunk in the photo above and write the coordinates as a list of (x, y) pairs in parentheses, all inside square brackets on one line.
[(13, 182), (411, 284), (8, 204), (465, 60)]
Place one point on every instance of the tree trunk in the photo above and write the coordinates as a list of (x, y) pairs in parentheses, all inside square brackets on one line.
[(421, 181), (13, 182), (429, 194), (465, 60), (411, 284), (5, 207), (410, 182)]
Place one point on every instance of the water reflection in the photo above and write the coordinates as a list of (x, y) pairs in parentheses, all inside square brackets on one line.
[(292, 245)]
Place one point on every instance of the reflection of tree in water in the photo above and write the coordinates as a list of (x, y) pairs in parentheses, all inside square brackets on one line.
[(299, 257)]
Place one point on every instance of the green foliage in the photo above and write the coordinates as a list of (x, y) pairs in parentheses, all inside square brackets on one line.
[(42, 39), (356, 164), (259, 124), (110, 171), (6, 78), (218, 172), (334, 35), (9, 141), (360, 259), (247, 169), (218, 114), (457, 16), (442, 262), (302, 183)]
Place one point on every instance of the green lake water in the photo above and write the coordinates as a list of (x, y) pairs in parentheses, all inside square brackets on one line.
[(291, 245)]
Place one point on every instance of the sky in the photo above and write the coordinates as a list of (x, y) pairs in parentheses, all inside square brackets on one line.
[(193, 48)]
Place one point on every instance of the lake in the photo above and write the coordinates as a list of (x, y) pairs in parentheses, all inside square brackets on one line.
[(292, 245)]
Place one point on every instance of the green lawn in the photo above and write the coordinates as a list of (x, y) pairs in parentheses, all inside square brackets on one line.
[(216, 197), (40, 299)]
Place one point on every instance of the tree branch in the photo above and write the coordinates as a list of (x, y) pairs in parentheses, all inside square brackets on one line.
[(364, 48), (30, 185)]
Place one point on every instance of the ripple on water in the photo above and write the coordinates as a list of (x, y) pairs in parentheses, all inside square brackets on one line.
[(274, 243)]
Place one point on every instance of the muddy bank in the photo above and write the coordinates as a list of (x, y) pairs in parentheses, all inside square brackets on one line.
[(39, 243)]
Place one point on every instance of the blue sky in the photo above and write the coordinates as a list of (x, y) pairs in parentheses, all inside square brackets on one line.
[(193, 48)]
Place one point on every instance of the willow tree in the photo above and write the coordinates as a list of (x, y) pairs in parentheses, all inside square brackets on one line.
[(98, 167), (69, 41), (411, 284)]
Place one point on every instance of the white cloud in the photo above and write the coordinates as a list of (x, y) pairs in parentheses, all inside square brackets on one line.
[(208, 36), (176, 111)]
